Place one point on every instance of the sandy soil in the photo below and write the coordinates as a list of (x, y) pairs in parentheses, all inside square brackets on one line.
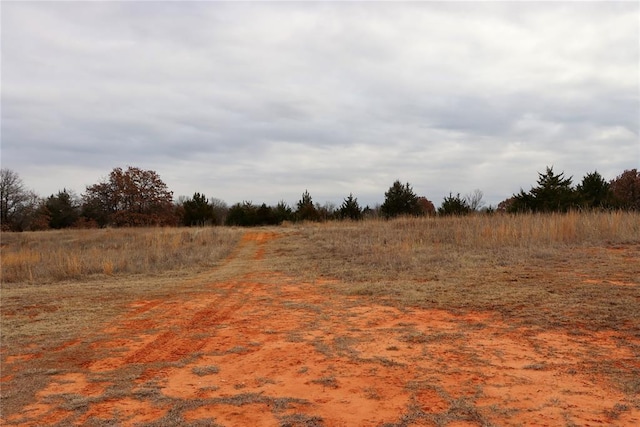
[(266, 350)]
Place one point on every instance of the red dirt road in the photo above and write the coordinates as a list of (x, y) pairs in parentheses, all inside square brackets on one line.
[(265, 350)]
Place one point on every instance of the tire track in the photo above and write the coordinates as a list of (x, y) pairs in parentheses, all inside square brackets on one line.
[(179, 337), (181, 341)]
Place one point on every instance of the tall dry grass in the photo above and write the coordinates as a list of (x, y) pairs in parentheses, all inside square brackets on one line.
[(562, 268), (50, 256), (525, 230), (572, 271), (412, 246)]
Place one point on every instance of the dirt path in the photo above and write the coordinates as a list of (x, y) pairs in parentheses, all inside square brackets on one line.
[(258, 349)]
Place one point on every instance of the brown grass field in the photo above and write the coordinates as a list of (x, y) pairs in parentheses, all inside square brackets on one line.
[(476, 321)]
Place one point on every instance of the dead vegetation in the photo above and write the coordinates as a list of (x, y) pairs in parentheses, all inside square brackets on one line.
[(53, 256), (555, 270)]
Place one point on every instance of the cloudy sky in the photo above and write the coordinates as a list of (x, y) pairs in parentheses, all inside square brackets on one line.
[(262, 100)]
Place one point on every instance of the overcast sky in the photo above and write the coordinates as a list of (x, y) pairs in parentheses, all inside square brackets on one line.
[(260, 101)]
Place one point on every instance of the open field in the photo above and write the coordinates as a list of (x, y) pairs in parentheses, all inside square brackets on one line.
[(477, 321)]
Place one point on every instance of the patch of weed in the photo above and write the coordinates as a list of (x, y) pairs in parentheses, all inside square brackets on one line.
[(262, 381), (294, 337), (536, 366), (327, 382), (301, 420), (385, 361), (237, 350), (372, 394), (615, 412), (201, 371)]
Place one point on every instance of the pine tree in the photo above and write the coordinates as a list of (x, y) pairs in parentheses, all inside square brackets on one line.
[(594, 191), (282, 212), (265, 216), (454, 205), (198, 211), (243, 214), (62, 209), (553, 194), (400, 200), (350, 209), (306, 209)]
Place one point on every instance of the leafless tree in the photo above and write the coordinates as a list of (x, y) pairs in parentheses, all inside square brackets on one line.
[(17, 204), (474, 200)]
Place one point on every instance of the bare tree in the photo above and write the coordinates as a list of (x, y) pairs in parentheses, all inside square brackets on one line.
[(474, 200), (18, 205), (220, 210)]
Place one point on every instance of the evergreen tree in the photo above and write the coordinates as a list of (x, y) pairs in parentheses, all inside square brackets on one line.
[(242, 214), (198, 211), (306, 210), (350, 209), (62, 209), (454, 205), (265, 216), (594, 191), (282, 212), (519, 203), (400, 200), (552, 194)]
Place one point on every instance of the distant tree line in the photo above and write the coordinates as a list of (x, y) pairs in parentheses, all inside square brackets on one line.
[(134, 197), (556, 193)]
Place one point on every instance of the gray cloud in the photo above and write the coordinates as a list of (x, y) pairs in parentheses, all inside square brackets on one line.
[(260, 101)]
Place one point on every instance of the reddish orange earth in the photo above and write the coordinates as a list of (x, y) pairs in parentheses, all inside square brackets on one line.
[(267, 350)]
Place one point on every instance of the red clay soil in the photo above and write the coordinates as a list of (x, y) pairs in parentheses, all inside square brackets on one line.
[(265, 350)]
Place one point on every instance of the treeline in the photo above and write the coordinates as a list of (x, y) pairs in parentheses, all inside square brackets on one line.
[(136, 197), (555, 193)]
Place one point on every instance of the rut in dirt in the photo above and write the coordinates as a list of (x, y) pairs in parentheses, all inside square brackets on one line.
[(210, 310)]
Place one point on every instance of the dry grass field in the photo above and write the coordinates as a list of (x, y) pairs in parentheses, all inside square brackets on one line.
[(475, 321)]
